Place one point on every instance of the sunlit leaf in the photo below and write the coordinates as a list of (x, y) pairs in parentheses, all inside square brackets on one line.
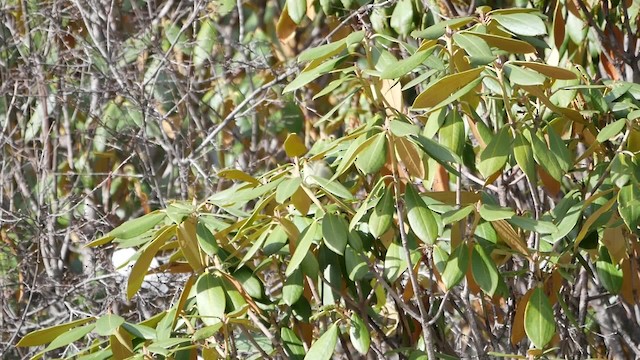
[(324, 347), (141, 267), (420, 217), (211, 298)]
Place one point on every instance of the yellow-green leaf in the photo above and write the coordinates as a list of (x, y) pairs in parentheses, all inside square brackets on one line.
[(440, 90), (359, 334), (294, 146), (302, 248), (524, 157), (548, 70), (522, 23), (187, 238), (141, 267), (380, 218), (106, 325), (139, 226), (374, 156), (46, 335), (507, 44)]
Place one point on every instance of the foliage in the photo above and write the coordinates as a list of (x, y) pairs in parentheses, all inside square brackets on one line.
[(448, 179)]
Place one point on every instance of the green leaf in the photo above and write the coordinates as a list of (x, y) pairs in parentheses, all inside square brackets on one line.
[(359, 334), (139, 226), (438, 152), (70, 336), (420, 217), (478, 50), (436, 31), (395, 262), (539, 226), (611, 130), (380, 218), (307, 76), (610, 275), (493, 212), (287, 188), (293, 287), (292, 344), (106, 325), (441, 91), (323, 51), (559, 149), (302, 248), (548, 70), (484, 270), (629, 206), (356, 148), (205, 40), (521, 76), (335, 233), (355, 264), (523, 154), (522, 23), (333, 187), (405, 66), (456, 266), (140, 331), (206, 240), (139, 270), (543, 156), (207, 331), (374, 156), (210, 298), (402, 17), (495, 155), (46, 335), (456, 215), (451, 133), (539, 323), (324, 347), (297, 10)]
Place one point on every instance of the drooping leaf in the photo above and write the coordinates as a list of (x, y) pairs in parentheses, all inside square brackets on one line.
[(409, 155), (380, 218), (355, 264), (484, 270), (293, 287), (188, 240), (287, 188), (402, 17), (141, 267), (335, 232), (302, 248), (523, 154), (420, 217), (522, 76), (297, 10), (495, 155), (548, 70), (205, 41), (211, 298), (456, 266), (359, 334), (371, 159), (539, 322)]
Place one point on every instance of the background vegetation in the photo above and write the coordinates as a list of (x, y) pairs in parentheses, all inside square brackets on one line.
[(403, 179)]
